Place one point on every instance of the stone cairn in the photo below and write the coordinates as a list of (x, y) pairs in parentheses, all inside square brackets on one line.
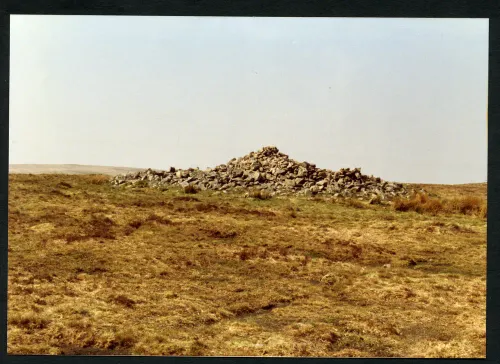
[(268, 169)]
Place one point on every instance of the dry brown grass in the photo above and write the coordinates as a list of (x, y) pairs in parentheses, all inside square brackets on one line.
[(354, 203), (377, 200), (467, 205), (484, 211), (191, 189), (97, 179), (98, 270), (422, 203), (259, 194)]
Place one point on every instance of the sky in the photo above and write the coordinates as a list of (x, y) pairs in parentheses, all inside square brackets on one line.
[(403, 99)]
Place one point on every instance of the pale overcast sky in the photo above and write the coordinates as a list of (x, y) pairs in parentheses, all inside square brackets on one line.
[(404, 99)]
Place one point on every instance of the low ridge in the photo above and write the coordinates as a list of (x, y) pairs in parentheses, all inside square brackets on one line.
[(269, 169)]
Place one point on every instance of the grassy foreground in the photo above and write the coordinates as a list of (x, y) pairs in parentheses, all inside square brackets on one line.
[(100, 270)]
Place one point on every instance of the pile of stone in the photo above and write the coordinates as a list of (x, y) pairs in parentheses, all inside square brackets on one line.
[(273, 171)]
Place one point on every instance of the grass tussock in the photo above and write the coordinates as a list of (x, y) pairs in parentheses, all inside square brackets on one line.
[(377, 200), (191, 189), (101, 227), (70, 237), (468, 205), (123, 300), (136, 224), (484, 211), (125, 339), (57, 192), (423, 203), (221, 233), (63, 184), (186, 198), (141, 184), (159, 219), (248, 253), (98, 226), (259, 194), (28, 320), (99, 180), (151, 218), (351, 202), (168, 273)]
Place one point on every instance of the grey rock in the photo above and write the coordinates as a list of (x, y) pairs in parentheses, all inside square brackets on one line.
[(276, 172), (314, 189), (237, 173), (302, 172), (258, 177), (299, 181)]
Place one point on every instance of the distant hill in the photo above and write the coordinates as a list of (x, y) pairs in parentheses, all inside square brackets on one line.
[(68, 169)]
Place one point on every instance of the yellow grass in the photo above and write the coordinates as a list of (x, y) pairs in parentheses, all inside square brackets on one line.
[(99, 270), (259, 194), (423, 203)]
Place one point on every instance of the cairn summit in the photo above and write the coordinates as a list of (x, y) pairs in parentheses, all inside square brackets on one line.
[(271, 170)]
